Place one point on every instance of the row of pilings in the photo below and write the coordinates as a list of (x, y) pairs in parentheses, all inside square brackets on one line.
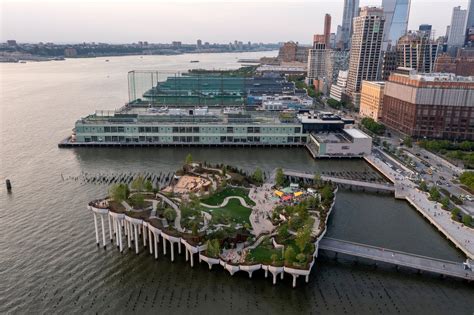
[(157, 179)]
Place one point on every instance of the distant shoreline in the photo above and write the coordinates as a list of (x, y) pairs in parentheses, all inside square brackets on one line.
[(36, 58)]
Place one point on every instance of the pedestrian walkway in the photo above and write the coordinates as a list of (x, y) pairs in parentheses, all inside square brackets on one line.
[(177, 221), (343, 181), (422, 263), (460, 235)]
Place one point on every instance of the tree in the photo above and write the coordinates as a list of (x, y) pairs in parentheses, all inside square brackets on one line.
[(316, 178), (445, 202), (213, 248), (280, 177), (137, 201), (327, 193), (274, 258), (454, 213), (467, 178), (148, 186), (119, 192), (224, 170), (258, 175), (373, 126), (466, 219), (194, 201), (423, 186), (169, 214), (408, 141), (303, 236), (189, 159), (283, 232), (434, 193), (289, 255), (138, 183)]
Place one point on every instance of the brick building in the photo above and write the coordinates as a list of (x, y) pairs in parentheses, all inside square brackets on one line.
[(436, 106)]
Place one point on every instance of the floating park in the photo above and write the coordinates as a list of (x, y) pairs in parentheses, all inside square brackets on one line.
[(222, 216)]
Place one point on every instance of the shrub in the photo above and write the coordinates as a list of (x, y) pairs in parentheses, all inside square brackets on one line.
[(169, 214), (466, 219), (301, 258), (289, 255)]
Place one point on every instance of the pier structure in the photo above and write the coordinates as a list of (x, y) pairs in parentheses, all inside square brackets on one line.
[(135, 230)]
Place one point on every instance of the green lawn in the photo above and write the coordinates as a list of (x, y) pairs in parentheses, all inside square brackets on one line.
[(233, 211), (263, 254), (218, 198)]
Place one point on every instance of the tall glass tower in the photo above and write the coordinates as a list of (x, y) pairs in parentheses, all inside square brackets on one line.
[(396, 14), (470, 15), (351, 10)]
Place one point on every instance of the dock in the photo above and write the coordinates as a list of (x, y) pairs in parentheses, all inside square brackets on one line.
[(398, 258)]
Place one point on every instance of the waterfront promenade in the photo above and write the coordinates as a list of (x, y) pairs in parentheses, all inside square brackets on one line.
[(461, 236), (402, 259)]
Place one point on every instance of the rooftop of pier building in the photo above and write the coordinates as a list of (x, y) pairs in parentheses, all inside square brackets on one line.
[(198, 115)]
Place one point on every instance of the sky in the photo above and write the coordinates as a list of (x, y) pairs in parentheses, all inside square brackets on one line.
[(162, 21)]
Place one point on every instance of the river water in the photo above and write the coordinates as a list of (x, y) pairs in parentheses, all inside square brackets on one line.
[(49, 262)]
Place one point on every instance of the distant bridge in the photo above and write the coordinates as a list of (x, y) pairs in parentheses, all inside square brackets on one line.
[(342, 181), (422, 263)]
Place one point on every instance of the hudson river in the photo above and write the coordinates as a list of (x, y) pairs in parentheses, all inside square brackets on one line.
[(49, 262)]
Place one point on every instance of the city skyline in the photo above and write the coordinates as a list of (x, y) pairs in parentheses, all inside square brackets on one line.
[(141, 21)]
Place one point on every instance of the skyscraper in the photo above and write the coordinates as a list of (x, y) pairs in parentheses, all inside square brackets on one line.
[(426, 29), (470, 15), (317, 65), (365, 50), (396, 14), (327, 30), (457, 30), (417, 51), (351, 10)]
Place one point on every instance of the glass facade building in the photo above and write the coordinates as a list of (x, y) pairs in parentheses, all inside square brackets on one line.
[(396, 14), (195, 89)]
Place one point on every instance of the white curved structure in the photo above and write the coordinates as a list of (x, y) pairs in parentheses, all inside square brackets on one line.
[(250, 268)]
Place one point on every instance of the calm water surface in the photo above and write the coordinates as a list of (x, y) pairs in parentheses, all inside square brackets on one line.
[(48, 259)]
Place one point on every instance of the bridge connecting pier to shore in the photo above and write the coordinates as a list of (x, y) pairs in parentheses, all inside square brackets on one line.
[(398, 258), (296, 175)]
